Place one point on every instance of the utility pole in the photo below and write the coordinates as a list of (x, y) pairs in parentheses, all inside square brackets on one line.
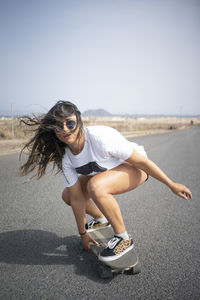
[(12, 122)]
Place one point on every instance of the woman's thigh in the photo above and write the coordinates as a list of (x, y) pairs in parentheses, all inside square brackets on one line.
[(118, 180)]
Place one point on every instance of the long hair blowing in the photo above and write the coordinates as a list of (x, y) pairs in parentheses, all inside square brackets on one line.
[(44, 146)]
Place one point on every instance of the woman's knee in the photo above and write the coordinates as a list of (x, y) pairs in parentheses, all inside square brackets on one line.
[(94, 188), (65, 197)]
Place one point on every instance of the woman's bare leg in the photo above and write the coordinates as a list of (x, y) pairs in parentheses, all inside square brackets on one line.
[(91, 208), (118, 180)]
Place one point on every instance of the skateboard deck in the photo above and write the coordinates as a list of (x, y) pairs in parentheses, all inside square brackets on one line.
[(128, 263)]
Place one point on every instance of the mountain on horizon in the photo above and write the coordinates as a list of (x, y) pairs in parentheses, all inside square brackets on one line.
[(104, 113), (96, 113)]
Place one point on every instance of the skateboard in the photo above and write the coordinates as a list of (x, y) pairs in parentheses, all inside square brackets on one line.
[(127, 264)]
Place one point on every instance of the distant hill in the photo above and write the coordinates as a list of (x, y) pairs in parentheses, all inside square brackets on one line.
[(104, 113), (96, 113)]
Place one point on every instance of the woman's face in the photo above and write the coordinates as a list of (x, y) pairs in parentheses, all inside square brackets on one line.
[(64, 130)]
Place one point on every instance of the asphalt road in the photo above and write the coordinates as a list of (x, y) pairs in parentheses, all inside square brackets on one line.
[(40, 257)]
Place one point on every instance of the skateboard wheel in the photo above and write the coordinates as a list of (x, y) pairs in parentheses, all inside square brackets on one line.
[(105, 271), (135, 270)]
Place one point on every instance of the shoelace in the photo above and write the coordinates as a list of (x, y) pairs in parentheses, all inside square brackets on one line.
[(113, 242)]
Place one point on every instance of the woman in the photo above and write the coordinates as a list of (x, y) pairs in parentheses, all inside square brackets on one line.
[(96, 163)]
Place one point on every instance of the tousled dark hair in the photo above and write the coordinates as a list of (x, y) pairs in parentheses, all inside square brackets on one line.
[(44, 146)]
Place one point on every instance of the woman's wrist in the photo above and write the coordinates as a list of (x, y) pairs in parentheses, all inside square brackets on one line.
[(170, 183), (82, 233)]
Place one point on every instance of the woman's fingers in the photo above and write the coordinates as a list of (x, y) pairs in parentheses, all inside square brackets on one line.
[(182, 191)]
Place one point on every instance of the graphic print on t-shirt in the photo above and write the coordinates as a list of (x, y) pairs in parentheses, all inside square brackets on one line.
[(89, 168)]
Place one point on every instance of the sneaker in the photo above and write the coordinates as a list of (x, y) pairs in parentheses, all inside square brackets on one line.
[(116, 248), (94, 225)]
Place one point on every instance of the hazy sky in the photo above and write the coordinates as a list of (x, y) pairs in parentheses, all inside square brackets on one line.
[(125, 56)]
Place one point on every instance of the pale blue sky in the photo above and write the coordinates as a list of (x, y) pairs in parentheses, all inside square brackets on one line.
[(125, 56)]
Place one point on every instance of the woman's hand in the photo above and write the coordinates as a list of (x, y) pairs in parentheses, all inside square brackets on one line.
[(86, 239), (181, 190)]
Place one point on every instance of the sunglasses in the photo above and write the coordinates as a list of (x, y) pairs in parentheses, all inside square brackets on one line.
[(70, 124)]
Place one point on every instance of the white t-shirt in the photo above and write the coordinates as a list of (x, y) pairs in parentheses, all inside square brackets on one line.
[(104, 149)]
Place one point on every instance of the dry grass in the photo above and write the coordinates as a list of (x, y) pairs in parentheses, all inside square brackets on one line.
[(131, 127), (13, 135), (11, 129)]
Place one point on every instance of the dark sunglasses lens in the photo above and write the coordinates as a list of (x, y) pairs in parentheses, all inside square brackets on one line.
[(71, 124)]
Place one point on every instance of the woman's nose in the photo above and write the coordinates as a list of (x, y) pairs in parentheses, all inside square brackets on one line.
[(65, 128)]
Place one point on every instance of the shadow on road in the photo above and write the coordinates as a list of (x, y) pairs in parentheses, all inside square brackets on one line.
[(37, 247)]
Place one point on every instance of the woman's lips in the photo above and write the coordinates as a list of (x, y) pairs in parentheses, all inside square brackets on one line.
[(67, 135)]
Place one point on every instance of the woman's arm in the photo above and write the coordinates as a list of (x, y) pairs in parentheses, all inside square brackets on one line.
[(77, 202), (149, 167)]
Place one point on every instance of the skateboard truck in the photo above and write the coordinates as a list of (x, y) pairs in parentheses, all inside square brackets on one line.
[(106, 272)]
